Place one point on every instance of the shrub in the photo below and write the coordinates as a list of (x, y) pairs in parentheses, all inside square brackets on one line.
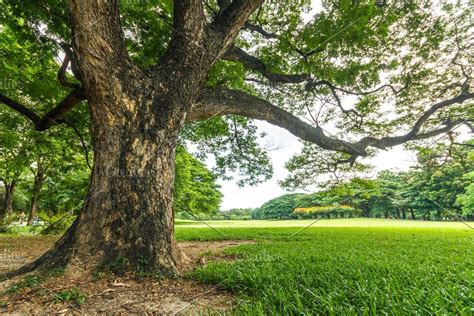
[(338, 210)]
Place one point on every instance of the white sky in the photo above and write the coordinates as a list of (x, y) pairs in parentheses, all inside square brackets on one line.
[(234, 197)]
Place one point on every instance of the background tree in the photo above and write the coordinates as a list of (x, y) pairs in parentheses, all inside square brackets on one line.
[(389, 201), (434, 185), (279, 208), (195, 189), (466, 200), (13, 160)]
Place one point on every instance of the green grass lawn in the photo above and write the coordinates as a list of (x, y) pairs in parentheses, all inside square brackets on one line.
[(368, 267), (341, 266)]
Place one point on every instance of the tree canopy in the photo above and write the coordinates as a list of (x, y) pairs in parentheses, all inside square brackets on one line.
[(338, 71)]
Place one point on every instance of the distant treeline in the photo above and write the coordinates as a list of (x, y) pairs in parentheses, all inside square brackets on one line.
[(439, 188), (444, 194)]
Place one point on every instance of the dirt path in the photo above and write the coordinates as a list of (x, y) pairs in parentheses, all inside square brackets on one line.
[(124, 295)]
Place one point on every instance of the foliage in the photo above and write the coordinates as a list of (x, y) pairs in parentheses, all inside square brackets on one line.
[(466, 200), (56, 224), (432, 187), (278, 208), (232, 214), (195, 189), (233, 143)]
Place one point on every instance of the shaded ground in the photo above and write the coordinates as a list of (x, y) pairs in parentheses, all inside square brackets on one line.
[(107, 294)]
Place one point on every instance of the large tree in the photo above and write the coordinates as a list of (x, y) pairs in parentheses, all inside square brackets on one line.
[(148, 68)]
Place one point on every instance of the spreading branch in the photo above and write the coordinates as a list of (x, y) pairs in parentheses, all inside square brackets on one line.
[(239, 55), (52, 117), (223, 101), (259, 29)]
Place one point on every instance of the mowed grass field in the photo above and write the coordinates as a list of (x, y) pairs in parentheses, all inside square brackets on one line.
[(335, 267), (340, 267)]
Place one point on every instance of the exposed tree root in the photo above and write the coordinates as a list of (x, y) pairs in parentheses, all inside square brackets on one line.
[(57, 257)]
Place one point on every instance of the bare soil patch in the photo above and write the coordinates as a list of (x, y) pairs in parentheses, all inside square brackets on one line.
[(121, 295)]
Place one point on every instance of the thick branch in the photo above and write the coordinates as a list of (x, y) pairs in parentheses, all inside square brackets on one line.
[(259, 29), (62, 74), (239, 55), (251, 62), (71, 57), (224, 4), (230, 21), (188, 24), (188, 16), (52, 117), (20, 108), (98, 43), (222, 101)]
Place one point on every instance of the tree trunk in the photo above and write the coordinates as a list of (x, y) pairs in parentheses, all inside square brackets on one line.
[(404, 214), (136, 119), (412, 214), (39, 180), (7, 207), (366, 211), (127, 218)]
